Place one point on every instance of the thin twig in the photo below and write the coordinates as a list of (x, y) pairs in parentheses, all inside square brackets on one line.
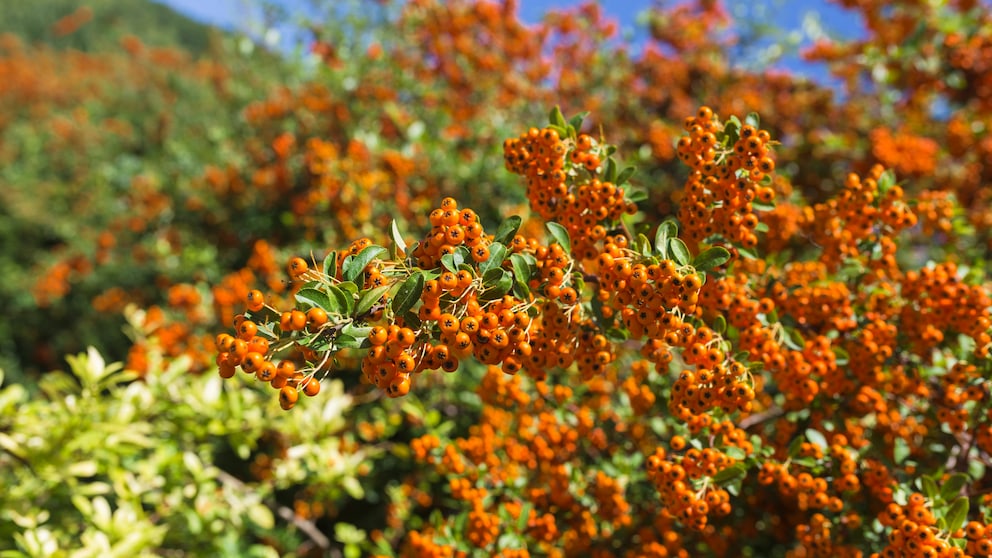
[(304, 525)]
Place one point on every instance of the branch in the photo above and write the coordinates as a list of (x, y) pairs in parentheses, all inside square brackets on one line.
[(764, 416), (304, 525)]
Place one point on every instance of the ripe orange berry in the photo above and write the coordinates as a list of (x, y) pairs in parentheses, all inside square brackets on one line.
[(288, 397), (311, 387), (316, 317), (297, 267), (247, 330), (255, 300), (378, 336)]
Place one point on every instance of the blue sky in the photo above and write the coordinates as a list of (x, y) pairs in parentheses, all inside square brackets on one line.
[(799, 20)]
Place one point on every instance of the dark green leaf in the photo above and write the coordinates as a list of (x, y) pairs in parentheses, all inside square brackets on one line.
[(576, 121), (556, 118), (611, 171), (929, 487), (497, 253), (643, 245), (354, 266), (507, 229), (679, 251), (957, 514), (560, 235), (368, 299), (343, 341), (953, 485), (720, 324), (331, 264), (521, 290), (313, 297), (793, 339), (408, 294), (668, 229), (497, 282), (448, 262), (711, 258), (735, 471), (524, 516), (636, 196), (625, 175), (616, 334), (521, 268), (341, 302), (747, 253)]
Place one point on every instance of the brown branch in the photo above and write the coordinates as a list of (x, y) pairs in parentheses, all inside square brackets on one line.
[(764, 416), (306, 526)]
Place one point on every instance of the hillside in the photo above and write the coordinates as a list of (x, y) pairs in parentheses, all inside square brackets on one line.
[(96, 24)]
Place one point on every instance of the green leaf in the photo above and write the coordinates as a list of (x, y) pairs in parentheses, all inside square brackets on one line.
[(957, 514), (711, 258), (762, 206), (752, 119), (497, 253), (735, 471), (368, 299), (679, 251), (929, 487), (793, 339), (450, 262), (611, 171), (497, 282), (313, 297), (817, 437), (556, 118), (507, 229), (667, 229), (747, 253), (521, 268), (354, 266), (560, 234), (953, 485), (643, 245), (524, 516), (736, 453), (576, 121), (408, 294), (398, 243), (624, 176), (341, 302), (720, 324), (521, 290), (637, 195), (886, 181), (331, 264), (358, 332), (900, 450)]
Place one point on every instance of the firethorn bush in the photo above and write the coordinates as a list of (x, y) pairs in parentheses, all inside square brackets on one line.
[(645, 322), (663, 389)]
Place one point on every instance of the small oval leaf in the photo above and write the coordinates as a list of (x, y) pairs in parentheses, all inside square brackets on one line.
[(408, 294), (560, 235), (507, 229), (679, 251)]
